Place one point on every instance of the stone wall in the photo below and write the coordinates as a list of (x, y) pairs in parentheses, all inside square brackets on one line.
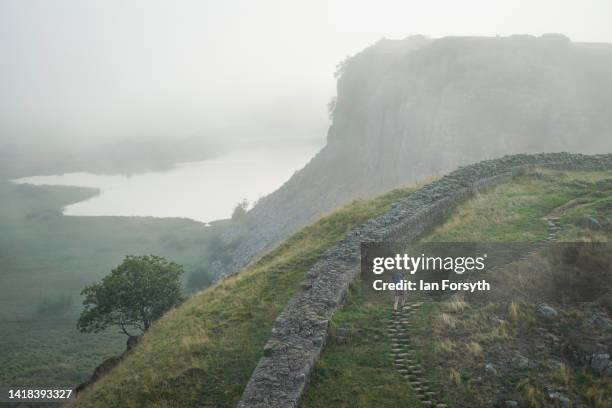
[(299, 333)]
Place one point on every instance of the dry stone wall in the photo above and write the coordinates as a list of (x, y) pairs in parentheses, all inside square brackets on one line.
[(299, 333)]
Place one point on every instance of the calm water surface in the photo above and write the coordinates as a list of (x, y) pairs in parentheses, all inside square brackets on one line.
[(204, 191)]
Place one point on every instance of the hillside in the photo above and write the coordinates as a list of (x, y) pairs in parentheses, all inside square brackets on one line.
[(408, 109), (481, 351), (203, 353)]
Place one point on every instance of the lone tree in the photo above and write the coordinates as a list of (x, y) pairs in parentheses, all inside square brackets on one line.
[(136, 293), (240, 210)]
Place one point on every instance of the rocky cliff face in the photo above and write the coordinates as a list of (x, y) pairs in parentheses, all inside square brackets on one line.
[(417, 107)]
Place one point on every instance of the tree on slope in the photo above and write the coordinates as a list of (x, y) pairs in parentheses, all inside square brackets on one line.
[(135, 294)]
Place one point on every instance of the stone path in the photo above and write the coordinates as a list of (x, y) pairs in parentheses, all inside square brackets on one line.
[(401, 327), (404, 355), (553, 236)]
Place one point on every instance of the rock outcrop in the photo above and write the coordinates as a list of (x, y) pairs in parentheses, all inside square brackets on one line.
[(108, 364), (417, 107)]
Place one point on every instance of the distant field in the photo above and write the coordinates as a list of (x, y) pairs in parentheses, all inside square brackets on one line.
[(46, 259)]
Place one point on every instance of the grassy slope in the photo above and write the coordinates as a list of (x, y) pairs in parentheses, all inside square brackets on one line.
[(204, 352), (358, 373), (510, 212), (45, 255)]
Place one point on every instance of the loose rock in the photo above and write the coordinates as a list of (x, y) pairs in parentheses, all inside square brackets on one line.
[(546, 311), (600, 362)]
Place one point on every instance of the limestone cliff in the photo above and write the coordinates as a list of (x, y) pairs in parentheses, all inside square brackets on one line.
[(411, 108)]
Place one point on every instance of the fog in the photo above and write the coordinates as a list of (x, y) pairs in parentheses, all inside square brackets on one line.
[(233, 72)]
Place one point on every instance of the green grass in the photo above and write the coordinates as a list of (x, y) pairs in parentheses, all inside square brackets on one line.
[(355, 374), (454, 337), (204, 352), (53, 352), (511, 212)]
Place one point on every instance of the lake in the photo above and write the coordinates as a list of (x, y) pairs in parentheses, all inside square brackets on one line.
[(204, 191)]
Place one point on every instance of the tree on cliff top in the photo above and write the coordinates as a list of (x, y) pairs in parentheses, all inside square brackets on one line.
[(136, 293), (241, 209)]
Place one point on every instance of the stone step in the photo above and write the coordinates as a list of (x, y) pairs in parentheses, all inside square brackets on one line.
[(415, 367)]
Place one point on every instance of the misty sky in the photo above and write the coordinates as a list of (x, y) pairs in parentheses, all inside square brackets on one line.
[(94, 70)]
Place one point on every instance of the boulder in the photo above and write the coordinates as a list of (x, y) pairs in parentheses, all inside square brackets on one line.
[(589, 222), (600, 362), (545, 311), (132, 341), (600, 321), (564, 402), (522, 362), (100, 371)]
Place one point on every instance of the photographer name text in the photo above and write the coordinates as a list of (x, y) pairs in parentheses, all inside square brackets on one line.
[(421, 285)]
